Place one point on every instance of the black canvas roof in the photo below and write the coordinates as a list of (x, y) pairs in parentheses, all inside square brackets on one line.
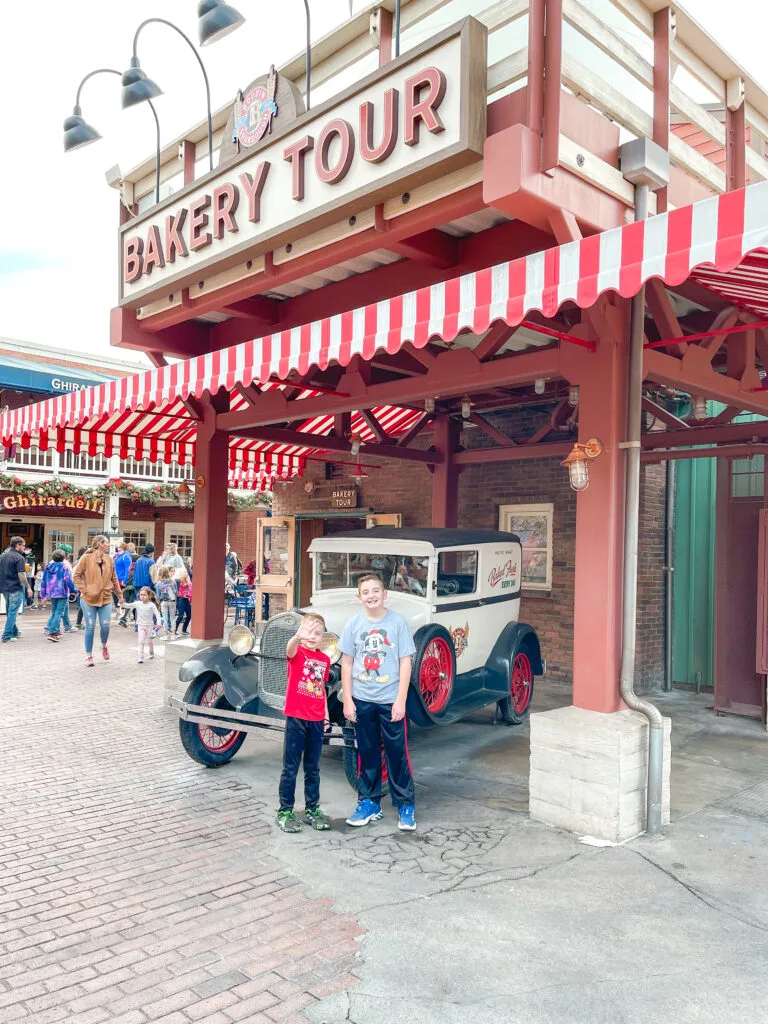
[(439, 538)]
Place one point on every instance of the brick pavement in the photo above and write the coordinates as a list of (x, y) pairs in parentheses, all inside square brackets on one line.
[(135, 885)]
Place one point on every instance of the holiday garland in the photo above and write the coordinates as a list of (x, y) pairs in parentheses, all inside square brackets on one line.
[(151, 495)]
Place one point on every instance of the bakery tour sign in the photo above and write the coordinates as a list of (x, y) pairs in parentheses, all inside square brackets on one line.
[(284, 173)]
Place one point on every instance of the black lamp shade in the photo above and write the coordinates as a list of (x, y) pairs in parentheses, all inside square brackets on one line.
[(216, 20), (137, 88), (78, 134)]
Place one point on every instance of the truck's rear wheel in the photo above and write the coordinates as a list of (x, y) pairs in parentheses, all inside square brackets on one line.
[(207, 744), (513, 709)]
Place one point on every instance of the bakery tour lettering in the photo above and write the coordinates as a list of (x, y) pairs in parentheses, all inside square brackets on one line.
[(328, 155)]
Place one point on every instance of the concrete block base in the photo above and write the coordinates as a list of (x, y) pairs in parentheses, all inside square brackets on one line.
[(176, 653), (589, 770)]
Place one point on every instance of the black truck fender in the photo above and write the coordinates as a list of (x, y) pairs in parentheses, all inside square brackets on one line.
[(515, 637)]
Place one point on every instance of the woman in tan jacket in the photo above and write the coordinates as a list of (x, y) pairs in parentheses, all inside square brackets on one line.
[(94, 576)]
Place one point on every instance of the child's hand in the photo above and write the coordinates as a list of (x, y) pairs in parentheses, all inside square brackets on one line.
[(398, 710), (350, 711)]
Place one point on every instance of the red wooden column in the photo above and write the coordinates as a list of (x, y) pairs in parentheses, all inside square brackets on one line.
[(445, 477), (663, 34), (211, 474), (602, 378)]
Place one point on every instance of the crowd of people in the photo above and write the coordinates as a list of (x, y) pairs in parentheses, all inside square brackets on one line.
[(154, 594)]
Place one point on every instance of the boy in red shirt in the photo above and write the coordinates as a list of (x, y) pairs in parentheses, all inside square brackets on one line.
[(306, 711)]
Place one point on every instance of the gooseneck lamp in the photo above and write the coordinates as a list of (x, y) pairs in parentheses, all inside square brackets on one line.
[(78, 133), (216, 19), (137, 87)]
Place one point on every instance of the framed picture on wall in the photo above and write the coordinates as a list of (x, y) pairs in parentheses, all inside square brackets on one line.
[(533, 525)]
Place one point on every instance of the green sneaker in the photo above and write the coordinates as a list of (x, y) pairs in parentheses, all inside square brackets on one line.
[(288, 822), (317, 819)]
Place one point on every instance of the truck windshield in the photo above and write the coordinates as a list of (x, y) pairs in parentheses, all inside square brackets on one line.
[(405, 573)]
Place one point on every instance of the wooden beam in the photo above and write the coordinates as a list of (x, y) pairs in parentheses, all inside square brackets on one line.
[(258, 307), (415, 430), (433, 248), (421, 355), (342, 425), (761, 347), (193, 407), (725, 318), (663, 32), (663, 312), (494, 341), (156, 358), (327, 442), (250, 393), (456, 372), (729, 413), (373, 424), (662, 414), (490, 430)]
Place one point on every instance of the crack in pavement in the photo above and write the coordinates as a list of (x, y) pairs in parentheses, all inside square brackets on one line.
[(708, 902)]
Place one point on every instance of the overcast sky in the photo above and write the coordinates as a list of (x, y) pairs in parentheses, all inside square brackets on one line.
[(58, 268)]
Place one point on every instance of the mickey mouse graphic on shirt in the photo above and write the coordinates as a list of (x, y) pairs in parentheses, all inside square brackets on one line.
[(312, 678), (374, 643)]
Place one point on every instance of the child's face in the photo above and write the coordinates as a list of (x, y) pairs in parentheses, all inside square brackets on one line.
[(145, 597), (311, 633), (371, 595)]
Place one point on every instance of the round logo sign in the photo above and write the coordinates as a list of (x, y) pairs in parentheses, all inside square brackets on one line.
[(256, 110)]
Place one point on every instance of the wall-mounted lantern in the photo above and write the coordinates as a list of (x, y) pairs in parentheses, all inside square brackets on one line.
[(576, 462)]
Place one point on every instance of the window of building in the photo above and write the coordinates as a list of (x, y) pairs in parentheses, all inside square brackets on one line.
[(137, 537), (58, 537), (456, 573), (183, 541), (533, 525), (747, 477)]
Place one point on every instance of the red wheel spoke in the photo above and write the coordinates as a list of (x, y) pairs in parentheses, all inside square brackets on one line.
[(436, 675), (212, 739)]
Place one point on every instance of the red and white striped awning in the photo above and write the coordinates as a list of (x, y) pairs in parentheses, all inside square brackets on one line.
[(718, 242)]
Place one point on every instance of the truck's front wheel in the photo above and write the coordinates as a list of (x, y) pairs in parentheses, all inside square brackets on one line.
[(204, 743)]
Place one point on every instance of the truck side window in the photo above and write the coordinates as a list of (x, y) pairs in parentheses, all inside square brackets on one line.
[(456, 573)]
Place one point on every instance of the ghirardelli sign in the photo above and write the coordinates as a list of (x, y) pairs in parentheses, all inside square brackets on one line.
[(284, 174)]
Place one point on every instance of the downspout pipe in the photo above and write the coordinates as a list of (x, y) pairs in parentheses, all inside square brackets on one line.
[(669, 572), (631, 536)]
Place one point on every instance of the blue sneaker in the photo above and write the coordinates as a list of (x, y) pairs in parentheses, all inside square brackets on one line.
[(365, 811), (407, 822)]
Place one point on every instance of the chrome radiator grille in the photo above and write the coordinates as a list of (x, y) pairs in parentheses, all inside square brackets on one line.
[(272, 668)]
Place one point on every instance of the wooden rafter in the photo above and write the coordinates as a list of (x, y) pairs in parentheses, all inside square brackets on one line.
[(664, 415), (663, 312), (725, 318), (328, 442), (373, 424), (493, 342), (415, 430), (490, 430)]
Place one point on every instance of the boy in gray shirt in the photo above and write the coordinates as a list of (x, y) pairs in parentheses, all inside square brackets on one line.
[(376, 649)]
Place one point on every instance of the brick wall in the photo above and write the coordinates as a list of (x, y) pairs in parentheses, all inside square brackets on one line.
[(649, 662)]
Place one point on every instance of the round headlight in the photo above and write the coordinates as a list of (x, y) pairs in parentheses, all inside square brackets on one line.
[(241, 640), (330, 645)]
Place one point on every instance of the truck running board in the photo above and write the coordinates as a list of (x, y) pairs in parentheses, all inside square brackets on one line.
[(219, 718)]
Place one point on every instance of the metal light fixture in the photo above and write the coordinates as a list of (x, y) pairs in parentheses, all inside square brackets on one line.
[(137, 87), (466, 408), (360, 474), (429, 405), (184, 494), (216, 20), (114, 522), (573, 395), (699, 407), (78, 133), (576, 462), (356, 442), (539, 385)]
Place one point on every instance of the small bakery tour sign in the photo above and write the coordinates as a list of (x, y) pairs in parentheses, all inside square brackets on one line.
[(409, 123), (24, 502), (344, 497)]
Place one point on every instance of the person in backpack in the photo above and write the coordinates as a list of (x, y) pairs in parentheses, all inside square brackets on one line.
[(56, 587), (165, 589)]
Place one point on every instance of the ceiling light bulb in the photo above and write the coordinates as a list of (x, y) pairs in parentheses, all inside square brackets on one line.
[(355, 449), (466, 408), (539, 385), (573, 395), (699, 407), (429, 405)]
